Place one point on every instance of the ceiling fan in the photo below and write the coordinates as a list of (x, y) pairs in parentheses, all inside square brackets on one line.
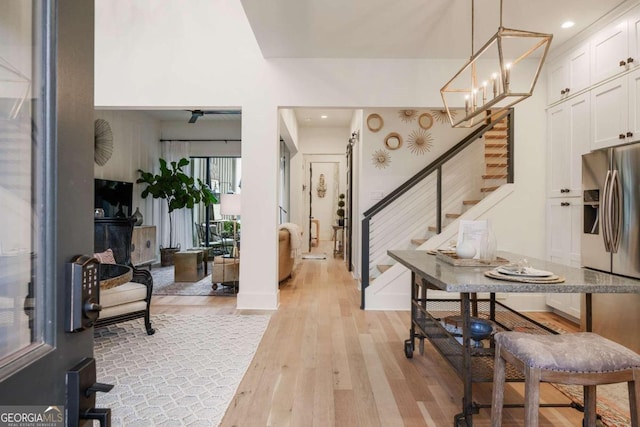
[(195, 114)]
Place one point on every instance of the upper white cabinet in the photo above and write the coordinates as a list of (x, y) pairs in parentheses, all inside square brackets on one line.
[(614, 49), (569, 74), (568, 139), (615, 110)]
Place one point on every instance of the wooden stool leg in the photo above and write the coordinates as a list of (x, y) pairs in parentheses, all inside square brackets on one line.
[(531, 396), (497, 400), (590, 404), (634, 398)]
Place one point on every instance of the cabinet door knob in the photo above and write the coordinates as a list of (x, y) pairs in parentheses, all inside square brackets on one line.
[(567, 90), (621, 136), (562, 92), (623, 63), (565, 204), (629, 60), (629, 134)]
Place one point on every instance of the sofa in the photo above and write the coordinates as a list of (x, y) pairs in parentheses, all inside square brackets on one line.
[(286, 254), (131, 300)]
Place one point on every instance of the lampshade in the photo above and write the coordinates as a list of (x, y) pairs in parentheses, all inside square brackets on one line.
[(496, 77), (230, 204)]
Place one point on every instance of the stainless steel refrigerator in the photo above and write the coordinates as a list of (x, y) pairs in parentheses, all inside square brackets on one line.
[(611, 236)]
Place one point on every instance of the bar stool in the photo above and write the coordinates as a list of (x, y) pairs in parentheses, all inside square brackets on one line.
[(582, 358)]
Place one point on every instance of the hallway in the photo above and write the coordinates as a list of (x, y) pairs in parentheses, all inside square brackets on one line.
[(325, 362)]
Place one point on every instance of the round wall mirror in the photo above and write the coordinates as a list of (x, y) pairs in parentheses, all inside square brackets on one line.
[(393, 141), (374, 122)]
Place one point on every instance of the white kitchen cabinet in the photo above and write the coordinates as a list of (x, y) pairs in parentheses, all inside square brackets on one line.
[(568, 74), (568, 139), (614, 111), (564, 230), (614, 49)]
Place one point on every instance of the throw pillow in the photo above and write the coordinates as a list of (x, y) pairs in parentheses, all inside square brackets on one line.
[(105, 257)]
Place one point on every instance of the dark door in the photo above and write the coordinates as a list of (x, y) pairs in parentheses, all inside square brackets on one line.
[(348, 223), (46, 191)]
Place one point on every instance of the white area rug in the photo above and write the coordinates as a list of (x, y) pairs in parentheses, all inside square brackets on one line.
[(184, 375)]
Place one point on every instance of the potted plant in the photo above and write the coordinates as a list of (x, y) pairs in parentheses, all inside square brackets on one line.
[(179, 191), (340, 211)]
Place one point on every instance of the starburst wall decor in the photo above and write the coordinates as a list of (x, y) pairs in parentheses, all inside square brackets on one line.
[(420, 141), (408, 116), (441, 115), (381, 159)]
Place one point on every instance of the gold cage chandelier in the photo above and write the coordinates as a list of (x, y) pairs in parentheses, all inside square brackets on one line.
[(495, 78)]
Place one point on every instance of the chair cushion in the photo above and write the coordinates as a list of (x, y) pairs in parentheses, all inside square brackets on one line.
[(105, 257), (582, 352), (125, 293)]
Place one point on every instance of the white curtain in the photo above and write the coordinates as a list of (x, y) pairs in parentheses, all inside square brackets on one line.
[(173, 151)]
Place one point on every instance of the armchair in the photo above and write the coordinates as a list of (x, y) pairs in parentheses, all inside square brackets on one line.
[(131, 300)]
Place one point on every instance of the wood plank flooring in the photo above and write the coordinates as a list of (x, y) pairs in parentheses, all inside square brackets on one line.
[(324, 362)]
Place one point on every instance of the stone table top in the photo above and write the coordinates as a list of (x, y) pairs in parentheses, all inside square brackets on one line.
[(447, 277)]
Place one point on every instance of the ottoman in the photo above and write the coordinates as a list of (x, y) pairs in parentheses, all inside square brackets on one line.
[(189, 265)]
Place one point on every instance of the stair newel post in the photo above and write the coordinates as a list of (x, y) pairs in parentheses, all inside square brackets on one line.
[(364, 267)]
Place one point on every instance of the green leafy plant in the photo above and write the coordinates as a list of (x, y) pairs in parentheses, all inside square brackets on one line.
[(340, 211), (178, 189)]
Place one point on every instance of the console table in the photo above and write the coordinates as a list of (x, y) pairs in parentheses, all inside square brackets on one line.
[(475, 364)]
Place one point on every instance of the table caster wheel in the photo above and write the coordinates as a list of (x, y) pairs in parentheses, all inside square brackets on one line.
[(408, 349), (214, 286)]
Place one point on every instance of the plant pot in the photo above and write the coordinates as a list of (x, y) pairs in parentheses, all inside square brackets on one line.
[(166, 255)]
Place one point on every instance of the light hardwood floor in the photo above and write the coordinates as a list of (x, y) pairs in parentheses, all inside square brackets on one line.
[(324, 362)]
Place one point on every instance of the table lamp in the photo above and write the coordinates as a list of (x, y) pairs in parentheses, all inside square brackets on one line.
[(230, 205)]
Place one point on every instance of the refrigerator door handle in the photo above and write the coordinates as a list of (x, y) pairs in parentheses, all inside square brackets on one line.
[(616, 212), (605, 209)]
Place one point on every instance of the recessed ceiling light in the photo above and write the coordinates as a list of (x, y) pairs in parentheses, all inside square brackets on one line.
[(568, 24), (323, 116), (307, 119)]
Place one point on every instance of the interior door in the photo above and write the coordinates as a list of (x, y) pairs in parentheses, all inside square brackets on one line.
[(46, 192)]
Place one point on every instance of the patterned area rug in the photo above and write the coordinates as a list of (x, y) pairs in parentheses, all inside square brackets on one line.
[(184, 375), (163, 284)]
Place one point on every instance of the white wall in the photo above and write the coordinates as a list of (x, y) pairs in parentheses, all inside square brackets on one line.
[(135, 146), (145, 57), (218, 129)]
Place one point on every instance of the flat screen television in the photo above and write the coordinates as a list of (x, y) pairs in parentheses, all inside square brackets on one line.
[(114, 197)]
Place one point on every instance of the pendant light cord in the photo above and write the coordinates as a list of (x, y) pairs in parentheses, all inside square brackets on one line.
[(472, 24), (500, 13)]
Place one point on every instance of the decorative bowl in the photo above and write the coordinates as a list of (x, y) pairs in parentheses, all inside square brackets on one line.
[(480, 329)]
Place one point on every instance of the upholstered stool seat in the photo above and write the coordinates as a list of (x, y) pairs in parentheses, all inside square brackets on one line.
[(582, 358)]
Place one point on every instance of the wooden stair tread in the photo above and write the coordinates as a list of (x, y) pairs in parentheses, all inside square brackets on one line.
[(383, 267), (496, 154), (496, 165), (495, 145), (433, 228), (418, 242), (470, 202), (452, 215), (499, 176), (499, 136), (488, 189)]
